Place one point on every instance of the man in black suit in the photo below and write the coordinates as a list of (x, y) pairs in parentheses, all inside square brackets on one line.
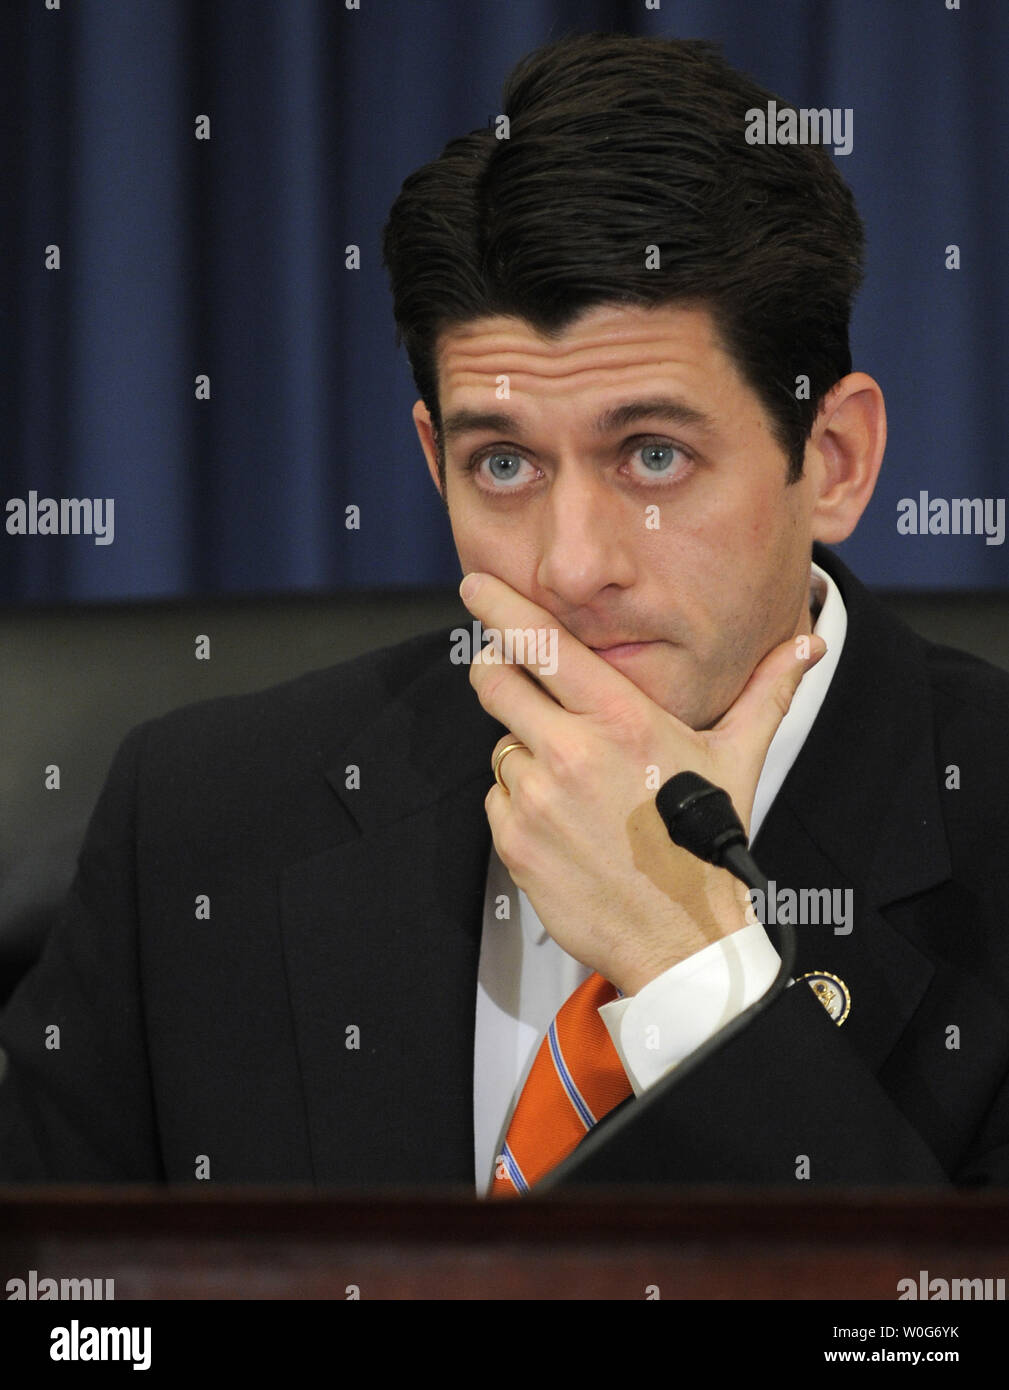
[(220, 1044), (292, 952)]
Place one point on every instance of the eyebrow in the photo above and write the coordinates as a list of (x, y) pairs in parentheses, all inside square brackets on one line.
[(618, 417)]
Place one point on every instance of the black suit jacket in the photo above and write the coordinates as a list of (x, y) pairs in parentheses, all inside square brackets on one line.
[(318, 1025)]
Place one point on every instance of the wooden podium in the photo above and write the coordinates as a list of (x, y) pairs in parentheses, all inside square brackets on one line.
[(306, 1243)]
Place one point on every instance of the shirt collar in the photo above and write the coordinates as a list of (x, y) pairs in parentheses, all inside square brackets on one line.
[(791, 734)]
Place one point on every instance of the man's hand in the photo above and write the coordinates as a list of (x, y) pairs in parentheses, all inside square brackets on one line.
[(578, 829)]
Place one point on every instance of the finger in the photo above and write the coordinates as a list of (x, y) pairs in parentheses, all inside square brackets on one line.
[(510, 766), (768, 694), (574, 674), (497, 807), (509, 695)]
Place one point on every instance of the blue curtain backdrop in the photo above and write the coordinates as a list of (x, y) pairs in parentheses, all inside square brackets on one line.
[(180, 257)]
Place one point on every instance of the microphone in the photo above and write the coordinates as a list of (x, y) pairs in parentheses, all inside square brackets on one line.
[(701, 818)]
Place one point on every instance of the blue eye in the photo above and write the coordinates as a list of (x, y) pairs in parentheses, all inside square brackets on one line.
[(653, 464), (503, 467), (660, 459), (501, 470)]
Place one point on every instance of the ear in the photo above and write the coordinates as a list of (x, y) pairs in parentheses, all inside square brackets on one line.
[(425, 433), (843, 455)]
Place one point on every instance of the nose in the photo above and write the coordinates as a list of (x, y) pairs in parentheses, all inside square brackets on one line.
[(585, 545)]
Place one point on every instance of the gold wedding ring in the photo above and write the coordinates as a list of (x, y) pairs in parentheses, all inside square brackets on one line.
[(508, 748)]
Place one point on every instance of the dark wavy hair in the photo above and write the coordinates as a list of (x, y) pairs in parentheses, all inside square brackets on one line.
[(618, 143)]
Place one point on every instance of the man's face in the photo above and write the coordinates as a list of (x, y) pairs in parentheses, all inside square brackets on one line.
[(678, 535)]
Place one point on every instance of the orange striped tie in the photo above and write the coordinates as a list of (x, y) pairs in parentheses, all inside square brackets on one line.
[(576, 1079)]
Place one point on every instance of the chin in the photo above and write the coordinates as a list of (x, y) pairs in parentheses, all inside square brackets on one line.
[(670, 697), (677, 695), (687, 706)]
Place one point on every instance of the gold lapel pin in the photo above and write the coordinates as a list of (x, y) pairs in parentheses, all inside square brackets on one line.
[(832, 993)]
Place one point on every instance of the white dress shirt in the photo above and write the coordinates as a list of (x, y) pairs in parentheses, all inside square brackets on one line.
[(525, 977)]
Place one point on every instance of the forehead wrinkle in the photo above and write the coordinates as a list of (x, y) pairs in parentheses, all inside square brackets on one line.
[(669, 400), (517, 354), (474, 355), (525, 380), (669, 408)]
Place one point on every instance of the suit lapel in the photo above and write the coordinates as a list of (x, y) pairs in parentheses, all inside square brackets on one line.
[(382, 935), (860, 810)]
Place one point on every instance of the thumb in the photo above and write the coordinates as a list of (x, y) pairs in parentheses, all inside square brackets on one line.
[(766, 698)]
